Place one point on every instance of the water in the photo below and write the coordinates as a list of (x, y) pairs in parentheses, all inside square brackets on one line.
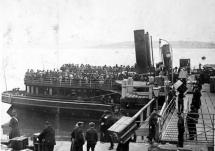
[(16, 62)]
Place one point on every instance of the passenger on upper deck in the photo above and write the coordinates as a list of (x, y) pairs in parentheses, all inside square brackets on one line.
[(75, 72)]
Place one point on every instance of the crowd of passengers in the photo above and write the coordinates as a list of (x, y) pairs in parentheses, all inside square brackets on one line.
[(85, 72)]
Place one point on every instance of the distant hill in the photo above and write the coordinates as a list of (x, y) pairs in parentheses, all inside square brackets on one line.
[(175, 44)]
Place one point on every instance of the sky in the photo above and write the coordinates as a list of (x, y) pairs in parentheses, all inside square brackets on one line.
[(29, 26), (78, 23)]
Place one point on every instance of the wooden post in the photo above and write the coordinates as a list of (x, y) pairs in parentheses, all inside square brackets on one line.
[(58, 121), (156, 103), (213, 132), (32, 89), (50, 91), (141, 118), (148, 111), (80, 82), (150, 92), (37, 91), (28, 89)]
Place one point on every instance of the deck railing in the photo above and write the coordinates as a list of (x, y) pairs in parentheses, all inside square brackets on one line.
[(166, 113), (95, 84)]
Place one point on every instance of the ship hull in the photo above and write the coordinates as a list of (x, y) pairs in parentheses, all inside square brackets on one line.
[(63, 114)]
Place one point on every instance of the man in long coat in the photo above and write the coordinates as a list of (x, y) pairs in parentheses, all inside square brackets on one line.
[(47, 137), (77, 137), (14, 126), (181, 130), (152, 125)]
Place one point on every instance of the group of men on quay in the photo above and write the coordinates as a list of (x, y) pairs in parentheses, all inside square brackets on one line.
[(79, 135), (192, 115)]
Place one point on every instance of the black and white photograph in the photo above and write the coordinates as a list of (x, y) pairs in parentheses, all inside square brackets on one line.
[(99, 75)]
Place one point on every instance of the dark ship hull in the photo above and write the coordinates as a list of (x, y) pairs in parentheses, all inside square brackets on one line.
[(62, 113)]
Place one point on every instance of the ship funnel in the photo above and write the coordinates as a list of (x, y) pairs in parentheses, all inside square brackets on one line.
[(143, 51), (166, 54)]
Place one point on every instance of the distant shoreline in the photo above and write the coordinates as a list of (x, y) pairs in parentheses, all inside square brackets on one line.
[(175, 44)]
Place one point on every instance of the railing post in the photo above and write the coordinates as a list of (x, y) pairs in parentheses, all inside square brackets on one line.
[(57, 118), (148, 111), (37, 91), (150, 92), (141, 118), (50, 91), (80, 82), (156, 100), (32, 89), (213, 133)]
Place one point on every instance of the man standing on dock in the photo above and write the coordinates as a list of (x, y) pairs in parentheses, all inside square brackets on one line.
[(47, 136), (181, 102), (14, 125), (91, 137), (106, 122), (192, 120), (152, 125), (196, 100), (77, 137), (181, 130)]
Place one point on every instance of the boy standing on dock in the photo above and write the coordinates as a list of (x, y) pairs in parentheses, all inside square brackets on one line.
[(91, 137)]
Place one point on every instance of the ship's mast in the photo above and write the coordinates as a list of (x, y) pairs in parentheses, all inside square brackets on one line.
[(56, 30), (8, 42)]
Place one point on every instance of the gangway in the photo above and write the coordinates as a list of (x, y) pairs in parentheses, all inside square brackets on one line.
[(204, 126), (167, 125)]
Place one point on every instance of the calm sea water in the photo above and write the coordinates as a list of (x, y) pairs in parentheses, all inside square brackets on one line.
[(16, 62)]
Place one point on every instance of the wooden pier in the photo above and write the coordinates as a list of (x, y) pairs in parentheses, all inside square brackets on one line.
[(205, 125)]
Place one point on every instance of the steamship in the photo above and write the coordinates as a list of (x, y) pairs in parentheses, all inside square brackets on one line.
[(64, 102)]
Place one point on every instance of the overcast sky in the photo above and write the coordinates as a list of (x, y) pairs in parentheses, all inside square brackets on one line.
[(92, 22)]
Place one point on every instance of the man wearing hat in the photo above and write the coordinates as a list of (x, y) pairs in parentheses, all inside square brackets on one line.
[(77, 137), (152, 125), (107, 120), (181, 130), (47, 136), (103, 125), (192, 120), (14, 126), (91, 137)]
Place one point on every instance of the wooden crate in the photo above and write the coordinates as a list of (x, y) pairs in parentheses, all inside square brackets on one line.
[(19, 143), (124, 128)]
